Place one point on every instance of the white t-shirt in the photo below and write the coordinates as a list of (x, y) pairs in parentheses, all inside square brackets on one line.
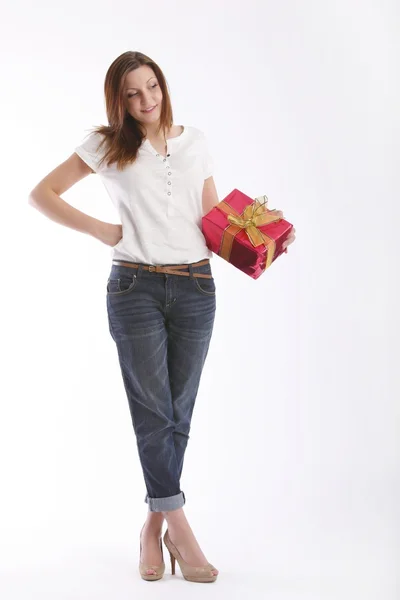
[(158, 198)]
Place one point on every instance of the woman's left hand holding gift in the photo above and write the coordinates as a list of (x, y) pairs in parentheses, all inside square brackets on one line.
[(291, 237)]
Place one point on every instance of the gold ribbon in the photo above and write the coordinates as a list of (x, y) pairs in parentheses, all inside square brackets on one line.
[(255, 215)]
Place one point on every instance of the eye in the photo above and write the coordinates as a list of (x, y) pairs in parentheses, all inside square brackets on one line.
[(131, 95)]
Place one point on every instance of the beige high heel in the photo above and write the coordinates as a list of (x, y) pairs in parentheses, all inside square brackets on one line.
[(198, 574), (159, 569)]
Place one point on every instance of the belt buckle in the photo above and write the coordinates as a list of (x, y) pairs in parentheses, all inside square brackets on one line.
[(152, 268)]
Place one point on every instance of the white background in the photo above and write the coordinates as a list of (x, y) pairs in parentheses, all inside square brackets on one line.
[(291, 474)]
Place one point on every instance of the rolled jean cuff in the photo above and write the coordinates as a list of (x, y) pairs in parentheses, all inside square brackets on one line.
[(164, 504)]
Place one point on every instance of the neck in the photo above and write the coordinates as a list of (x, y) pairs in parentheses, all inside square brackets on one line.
[(153, 135)]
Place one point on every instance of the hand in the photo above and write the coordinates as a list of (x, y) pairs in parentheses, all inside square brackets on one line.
[(291, 237), (109, 233)]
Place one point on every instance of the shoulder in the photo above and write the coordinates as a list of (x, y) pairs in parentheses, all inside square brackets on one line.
[(91, 149), (198, 137), (92, 140), (195, 132)]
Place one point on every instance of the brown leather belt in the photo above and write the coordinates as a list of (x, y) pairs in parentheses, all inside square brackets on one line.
[(173, 270)]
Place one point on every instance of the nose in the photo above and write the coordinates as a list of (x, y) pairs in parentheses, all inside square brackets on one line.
[(147, 102)]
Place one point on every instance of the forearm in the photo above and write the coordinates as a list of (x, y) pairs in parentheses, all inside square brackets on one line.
[(55, 208)]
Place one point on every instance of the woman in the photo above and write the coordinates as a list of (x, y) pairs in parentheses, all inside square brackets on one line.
[(161, 295)]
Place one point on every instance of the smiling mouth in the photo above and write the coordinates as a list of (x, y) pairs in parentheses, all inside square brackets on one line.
[(149, 110)]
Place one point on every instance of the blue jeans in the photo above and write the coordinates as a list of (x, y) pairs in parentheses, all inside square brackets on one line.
[(162, 326)]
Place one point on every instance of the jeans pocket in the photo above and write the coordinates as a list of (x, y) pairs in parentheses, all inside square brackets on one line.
[(205, 286), (121, 285)]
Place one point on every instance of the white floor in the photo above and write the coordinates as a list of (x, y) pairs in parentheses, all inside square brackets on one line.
[(74, 563)]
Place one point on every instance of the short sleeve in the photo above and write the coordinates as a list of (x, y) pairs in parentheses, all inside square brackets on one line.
[(207, 159), (89, 151)]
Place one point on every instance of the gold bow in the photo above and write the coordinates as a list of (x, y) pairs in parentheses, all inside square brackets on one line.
[(255, 215)]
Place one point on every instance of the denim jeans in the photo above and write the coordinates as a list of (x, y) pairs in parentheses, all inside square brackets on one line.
[(162, 326)]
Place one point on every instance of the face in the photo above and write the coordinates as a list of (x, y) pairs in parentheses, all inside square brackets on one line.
[(142, 91)]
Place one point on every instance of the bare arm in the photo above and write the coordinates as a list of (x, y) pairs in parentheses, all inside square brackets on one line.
[(45, 197)]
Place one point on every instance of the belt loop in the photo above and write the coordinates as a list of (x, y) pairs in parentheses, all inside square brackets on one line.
[(139, 270), (191, 270)]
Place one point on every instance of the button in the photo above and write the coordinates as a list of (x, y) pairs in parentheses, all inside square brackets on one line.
[(169, 183), (169, 173), (169, 193), (164, 159), (157, 155)]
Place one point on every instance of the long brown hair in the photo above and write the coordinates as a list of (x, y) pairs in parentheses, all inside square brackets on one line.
[(124, 134)]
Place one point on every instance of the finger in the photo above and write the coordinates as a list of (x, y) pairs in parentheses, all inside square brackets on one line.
[(276, 212), (288, 241)]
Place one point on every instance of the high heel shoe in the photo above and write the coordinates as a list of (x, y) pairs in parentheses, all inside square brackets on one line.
[(143, 568), (198, 574)]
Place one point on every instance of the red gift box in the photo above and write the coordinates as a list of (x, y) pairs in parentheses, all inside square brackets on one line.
[(245, 233)]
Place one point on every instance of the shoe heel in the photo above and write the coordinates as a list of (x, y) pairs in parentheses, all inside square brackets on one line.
[(199, 574), (173, 559)]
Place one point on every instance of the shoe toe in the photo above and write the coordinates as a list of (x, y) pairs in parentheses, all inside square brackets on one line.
[(212, 568)]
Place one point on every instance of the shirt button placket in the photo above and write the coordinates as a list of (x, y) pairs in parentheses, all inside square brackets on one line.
[(169, 193), (169, 182)]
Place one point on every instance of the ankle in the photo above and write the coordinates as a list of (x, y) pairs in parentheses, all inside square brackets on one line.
[(175, 518), (153, 526)]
